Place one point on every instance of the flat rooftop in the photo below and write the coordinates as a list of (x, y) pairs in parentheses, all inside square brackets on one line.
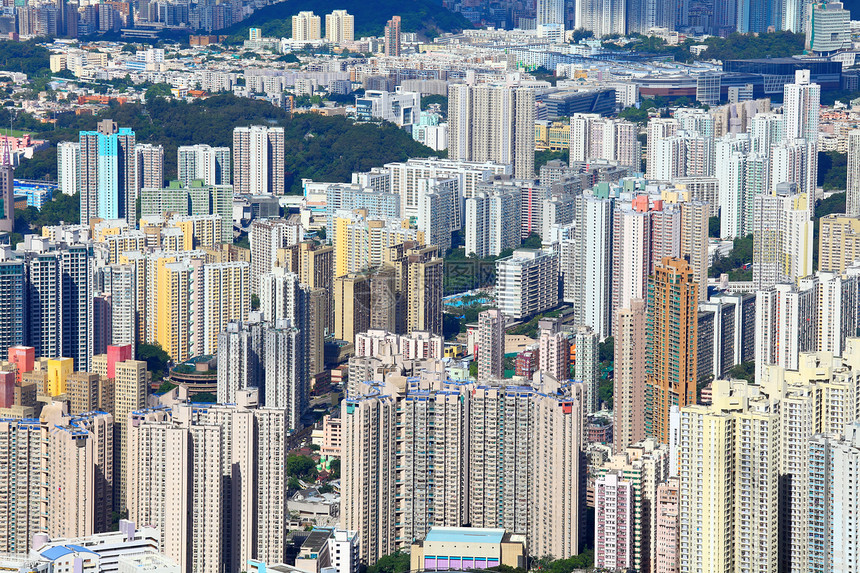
[(465, 535)]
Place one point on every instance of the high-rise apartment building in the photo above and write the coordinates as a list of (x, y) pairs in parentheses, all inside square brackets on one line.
[(629, 379), (527, 283), (13, 317), (119, 282), (129, 394), (729, 481), (492, 123), (108, 173), (351, 305), (491, 342), (361, 241), (339, 27), (592, 274), (202, 162), (69, 167), (667, 546), (553, 349), (208, 478), (602, 17), (852, 194), (240, 358), (521, 481), (306, 27), (80, 475), (150, 165), (492, 222), (641, 467), (172, 276), (392, 37), (613, 517), (287, 385), (833, 501), (266, 238), (786, 324), (227, 298), (671, 331), (258, 160), (595, 137), (782, 239), (838, 242), (587, 365)]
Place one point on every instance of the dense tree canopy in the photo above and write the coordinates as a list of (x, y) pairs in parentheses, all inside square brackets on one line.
[(394, 563), (423, 16), (750, 46), (301, 467), (26, 57), (832, 170), (317, 147)]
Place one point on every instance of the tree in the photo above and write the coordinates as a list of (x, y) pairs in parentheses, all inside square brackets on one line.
[(832, 170), (395, 563), (427, 100), (334, 469), (158, 90), (714, 227), (581, 34), (155, 357), (606, 349), (302, 467)]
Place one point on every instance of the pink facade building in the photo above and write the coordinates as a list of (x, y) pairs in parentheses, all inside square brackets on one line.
[(23, 357), (554, 349), (613, 528), (117, 354), (668, 527), (7, 389)]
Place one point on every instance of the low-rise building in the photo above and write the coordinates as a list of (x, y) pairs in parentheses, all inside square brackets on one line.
[(465, 548)]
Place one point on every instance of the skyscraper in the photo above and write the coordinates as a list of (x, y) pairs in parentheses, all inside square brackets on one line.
[(339, 27), (266, 237), (69, 167), (150, 165), (220, 464), (240, 358), (782, 239), (306, 27), (671, 332), (852, 199), (12, 297), (492, 123), (7, 191), (258, 160), (524, 480), (392, 37), (227, 298), (592, 274), (491, 342), (629, 379), (730, 477), (603, 17), (108, 173), (833, 501), (209, 164), (613, 530), (829, 28)]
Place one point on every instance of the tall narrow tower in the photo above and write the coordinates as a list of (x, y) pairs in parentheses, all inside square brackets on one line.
[(671, 331)]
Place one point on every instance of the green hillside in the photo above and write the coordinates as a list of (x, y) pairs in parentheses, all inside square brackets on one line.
[(317, 147), (426, 17)]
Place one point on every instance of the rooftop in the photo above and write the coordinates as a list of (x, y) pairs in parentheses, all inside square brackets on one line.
[(465, 535)]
